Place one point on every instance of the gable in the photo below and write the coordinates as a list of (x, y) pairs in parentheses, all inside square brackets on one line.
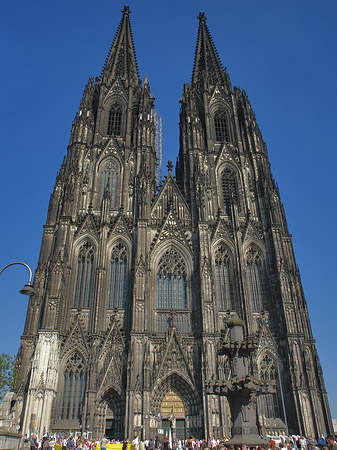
[(170, 197)]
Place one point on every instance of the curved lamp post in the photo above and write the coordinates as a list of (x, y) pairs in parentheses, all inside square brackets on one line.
[(28, 287)]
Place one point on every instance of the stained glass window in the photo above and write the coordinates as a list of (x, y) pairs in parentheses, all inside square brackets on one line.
[(229, 187), (171, 281), (221, 126), (224, 289), (84, 277), (109, 180), (73, 388), (254, 275), (270, 402), (118, 273), (115, 120)]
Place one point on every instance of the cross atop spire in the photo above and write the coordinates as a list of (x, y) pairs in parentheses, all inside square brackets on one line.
[(121, 60), (126, 10), (170, 167), (207, 64), (202, 17)]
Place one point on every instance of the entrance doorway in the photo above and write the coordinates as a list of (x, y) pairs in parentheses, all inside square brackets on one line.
[(180, 429), (173, 413), (110, 423)]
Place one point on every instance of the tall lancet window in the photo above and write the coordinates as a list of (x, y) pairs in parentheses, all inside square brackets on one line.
[(115, 120), (73, 388), (229, 187), (270, 402), (171, 281), (118, 274), (84, 276), (255, 279), (221, 126), (224, 288), (109, 180)]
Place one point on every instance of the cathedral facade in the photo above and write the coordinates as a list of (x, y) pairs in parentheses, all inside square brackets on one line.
[(136, 279)]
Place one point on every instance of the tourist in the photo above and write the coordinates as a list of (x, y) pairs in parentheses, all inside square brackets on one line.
[(331, 443)]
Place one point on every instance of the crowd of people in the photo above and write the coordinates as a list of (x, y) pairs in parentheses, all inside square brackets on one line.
[(271, 443)]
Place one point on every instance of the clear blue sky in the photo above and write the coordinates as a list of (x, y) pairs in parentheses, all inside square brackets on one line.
[(284, 54)]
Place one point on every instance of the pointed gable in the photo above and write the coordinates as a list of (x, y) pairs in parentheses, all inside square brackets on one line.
[(111, 148), (170, 196), (110, 360), (117, 89), (228, 154), (222, 231), (114, 339), (88, 226), (76, 339), (171, 229), (174, 359), (252, 234), (120, 227), (218, 95), (265, 340)]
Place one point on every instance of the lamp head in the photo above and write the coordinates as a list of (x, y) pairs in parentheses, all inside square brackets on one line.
[(28, 289)]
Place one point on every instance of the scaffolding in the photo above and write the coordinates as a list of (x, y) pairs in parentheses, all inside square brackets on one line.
[(158, 143)]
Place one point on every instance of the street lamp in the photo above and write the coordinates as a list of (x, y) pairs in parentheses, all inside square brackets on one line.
[(28, 287), (156, 417), (172, 419)]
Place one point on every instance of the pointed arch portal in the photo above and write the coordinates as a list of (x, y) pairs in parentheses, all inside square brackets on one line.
[(177, 396), (110, 415)]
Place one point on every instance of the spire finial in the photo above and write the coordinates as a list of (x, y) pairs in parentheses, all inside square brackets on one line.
[(202, 17), (126, 10), (169, 166)]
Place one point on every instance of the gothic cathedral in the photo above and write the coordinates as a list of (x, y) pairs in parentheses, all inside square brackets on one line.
[(137, 278)]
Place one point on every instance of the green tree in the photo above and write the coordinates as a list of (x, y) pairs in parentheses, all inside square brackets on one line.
[(7, 373)]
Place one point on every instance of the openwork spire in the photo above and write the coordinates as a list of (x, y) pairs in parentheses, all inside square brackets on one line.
[(121, 60), (207, 64)]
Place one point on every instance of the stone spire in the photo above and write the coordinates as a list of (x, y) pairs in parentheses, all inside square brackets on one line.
[(121, 61), (207, 64)]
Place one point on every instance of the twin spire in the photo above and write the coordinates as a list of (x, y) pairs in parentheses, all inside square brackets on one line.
[(121, 61), (207, 64)]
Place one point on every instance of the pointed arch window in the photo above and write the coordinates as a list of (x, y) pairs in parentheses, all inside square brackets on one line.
[(270, 402), (255, 279), (229, 187), (73, 387), (171, 281), (84, 276), (221, 126), (109, 181), (224, 287), (118, 274), (115, 120)]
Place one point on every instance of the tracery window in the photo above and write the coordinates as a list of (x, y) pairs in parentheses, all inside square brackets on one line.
[(229, 187), (270, 402), (181, 321), (118, 273), (171, 281), (224, 288), (73, 387), (84, 277), (255, 279), (221, 126), (115, 120), (109, 181)]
